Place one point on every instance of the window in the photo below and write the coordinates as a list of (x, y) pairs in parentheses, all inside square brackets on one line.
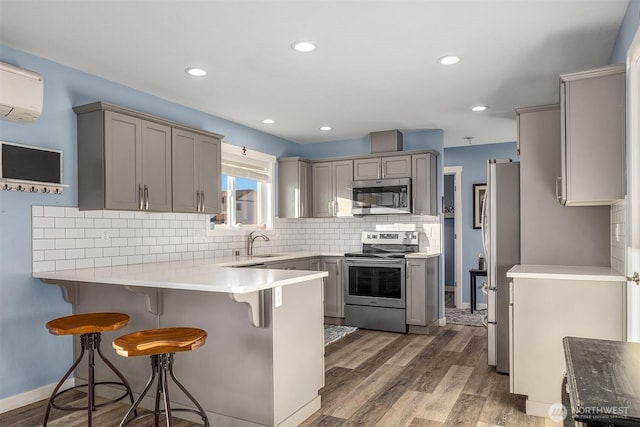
[(247, 189)]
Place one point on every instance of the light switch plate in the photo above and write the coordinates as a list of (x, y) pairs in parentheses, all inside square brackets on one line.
[(278, 296)]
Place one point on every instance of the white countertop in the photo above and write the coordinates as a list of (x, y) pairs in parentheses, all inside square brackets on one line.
[(422, 255), (565, 272), (200, 275)]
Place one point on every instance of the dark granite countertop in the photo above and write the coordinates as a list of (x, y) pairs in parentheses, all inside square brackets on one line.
[(604, 381)]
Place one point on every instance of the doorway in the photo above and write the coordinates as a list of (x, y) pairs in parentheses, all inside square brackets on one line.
[(452, 236)]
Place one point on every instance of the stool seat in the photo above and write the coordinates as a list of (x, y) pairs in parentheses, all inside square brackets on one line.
[(159, 341), (87, 323)]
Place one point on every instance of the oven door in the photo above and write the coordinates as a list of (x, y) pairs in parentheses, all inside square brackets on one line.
[(375, 282)]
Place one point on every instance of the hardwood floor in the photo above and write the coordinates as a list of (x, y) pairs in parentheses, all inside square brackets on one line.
[(449, 299), (378, 379)]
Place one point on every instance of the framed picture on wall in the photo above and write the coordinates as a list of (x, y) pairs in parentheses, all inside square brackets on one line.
[(478, 199)]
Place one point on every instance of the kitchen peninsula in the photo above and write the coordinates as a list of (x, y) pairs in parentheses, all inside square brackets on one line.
[(263, 363)]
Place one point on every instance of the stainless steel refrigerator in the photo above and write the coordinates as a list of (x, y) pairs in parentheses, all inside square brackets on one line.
[(501, 240)]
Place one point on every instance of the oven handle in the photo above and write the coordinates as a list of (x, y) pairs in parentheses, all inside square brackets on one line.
[(373, 260)]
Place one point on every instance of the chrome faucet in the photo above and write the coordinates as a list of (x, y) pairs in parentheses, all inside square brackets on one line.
[(250, 240)]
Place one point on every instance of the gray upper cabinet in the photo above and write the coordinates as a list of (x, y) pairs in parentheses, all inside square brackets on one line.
[(124, 161), (331, 182), (424, 179), (592, 105), (196, 172), (294, 188), (382, 168)]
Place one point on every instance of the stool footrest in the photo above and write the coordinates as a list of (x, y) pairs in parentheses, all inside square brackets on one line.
[(125, 393)]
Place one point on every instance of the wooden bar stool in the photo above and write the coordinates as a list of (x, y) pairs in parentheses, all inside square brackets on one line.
[(160, 345), (89, 326)]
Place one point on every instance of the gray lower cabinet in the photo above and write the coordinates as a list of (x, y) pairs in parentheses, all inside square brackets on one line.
[(424, 179), (196, 172), (298, 264), (593, 137), (333, 290), (422, 291), (294, 188), (331, 182), (124, 162)]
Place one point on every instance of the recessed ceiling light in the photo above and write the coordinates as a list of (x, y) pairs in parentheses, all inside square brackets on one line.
[(268, 121), (479, 108), (303, 46), (448, 60), (196, 72), (325, 128)]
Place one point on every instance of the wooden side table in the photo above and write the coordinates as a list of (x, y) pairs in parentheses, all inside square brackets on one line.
[(474, 272)]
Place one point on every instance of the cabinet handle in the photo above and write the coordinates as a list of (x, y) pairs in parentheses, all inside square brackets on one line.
[(380, 174), (197, 200), (384, 171), (558, 197), (146, 197), (140, 197), (202, 201)]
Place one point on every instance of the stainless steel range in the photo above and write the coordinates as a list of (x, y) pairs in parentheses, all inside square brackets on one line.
[(374, 283)]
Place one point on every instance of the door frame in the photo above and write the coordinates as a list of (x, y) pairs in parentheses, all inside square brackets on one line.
[(456, 171), (633, 188)]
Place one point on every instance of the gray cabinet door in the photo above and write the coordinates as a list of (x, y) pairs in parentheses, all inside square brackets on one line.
[(123, 175), (333, 291), (196, 172), (366, 169), (294, 188), (322, 179), (396, 167), (416, 276), (208, 152), (304, 188), (184, 171), (423, 177), (343, 192), (593, 108), (156, 166)]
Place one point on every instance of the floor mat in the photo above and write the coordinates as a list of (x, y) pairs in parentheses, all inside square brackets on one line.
[(463, 316), (333, 333)]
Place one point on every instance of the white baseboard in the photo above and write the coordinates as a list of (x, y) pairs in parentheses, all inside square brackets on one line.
[(464, 305), (28, 397), (481, 306), (449, 288), (442, 322)]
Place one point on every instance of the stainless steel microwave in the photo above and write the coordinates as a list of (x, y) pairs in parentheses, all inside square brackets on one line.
[(382, 197)]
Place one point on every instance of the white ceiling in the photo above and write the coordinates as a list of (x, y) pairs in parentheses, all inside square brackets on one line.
[(374, 68)]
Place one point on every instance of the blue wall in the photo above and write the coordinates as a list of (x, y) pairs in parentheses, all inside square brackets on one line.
[(628, 29), (473, 160), (27, 304)]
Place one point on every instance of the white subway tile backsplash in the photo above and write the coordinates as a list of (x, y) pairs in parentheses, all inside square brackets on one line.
[(38, 244), (44, 266), (138, 237)]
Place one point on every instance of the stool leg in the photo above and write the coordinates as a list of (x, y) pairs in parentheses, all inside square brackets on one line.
[(91, 385), (203, 414), (156, 366), (64, 378), (115, 371), (165, 364), (146, 389)]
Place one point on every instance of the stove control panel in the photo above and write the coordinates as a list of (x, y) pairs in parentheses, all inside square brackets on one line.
[(390, 237)]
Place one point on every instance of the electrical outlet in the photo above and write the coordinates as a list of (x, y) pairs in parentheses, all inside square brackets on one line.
[(104, 235)]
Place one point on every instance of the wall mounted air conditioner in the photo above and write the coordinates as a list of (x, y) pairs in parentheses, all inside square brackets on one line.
[(21, 94)]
